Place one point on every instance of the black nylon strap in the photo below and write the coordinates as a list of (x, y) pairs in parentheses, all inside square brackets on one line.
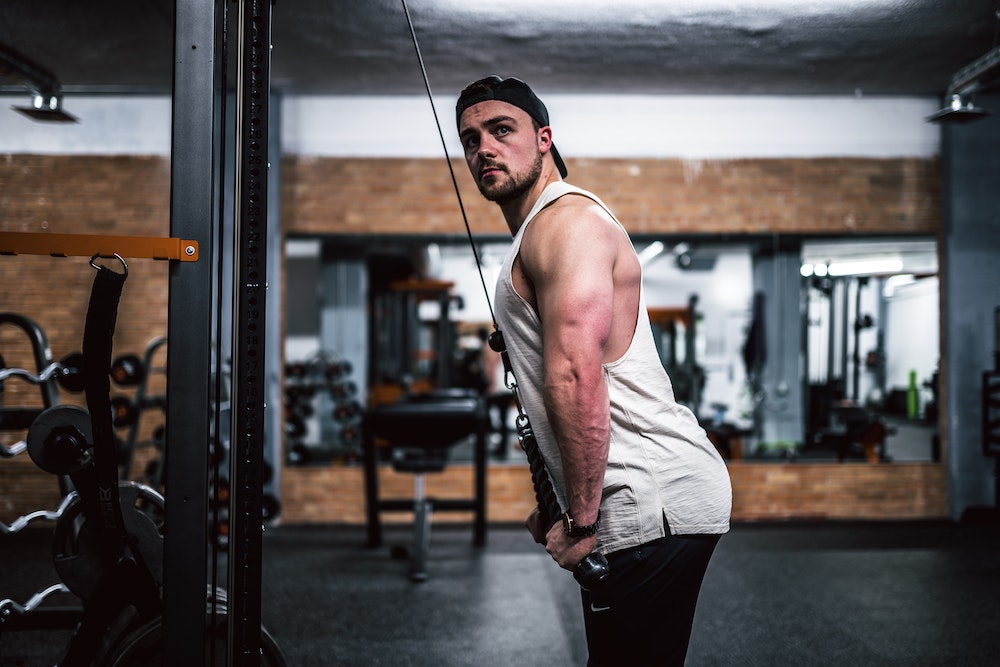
[(102, 315)]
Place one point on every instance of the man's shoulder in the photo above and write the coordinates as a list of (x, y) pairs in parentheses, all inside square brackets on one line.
[(577, 208)]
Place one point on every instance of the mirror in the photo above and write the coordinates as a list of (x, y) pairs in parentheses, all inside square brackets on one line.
[(799, 349)]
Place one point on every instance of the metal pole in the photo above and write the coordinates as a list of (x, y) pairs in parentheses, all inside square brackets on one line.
[(194, 189), (253, 40)]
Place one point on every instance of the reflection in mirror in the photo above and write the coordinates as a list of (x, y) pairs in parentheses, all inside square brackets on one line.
[(872, 348), (789, 349)]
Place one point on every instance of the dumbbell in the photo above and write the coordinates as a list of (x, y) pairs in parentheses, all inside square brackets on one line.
[(337, 369), (295, 427), (123, 411), (295, 370), (270, 507), (71, 378), (128, 370), (68, 372), (342, 390), (347, 411)]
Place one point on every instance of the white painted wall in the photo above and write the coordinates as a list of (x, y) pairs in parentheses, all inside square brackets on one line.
[(591, 126), (596, 126), (106, 126)]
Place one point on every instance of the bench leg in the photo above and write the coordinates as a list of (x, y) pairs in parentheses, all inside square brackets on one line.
[(422, 510)]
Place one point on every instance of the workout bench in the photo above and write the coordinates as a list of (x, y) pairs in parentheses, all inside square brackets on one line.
[(419, 430)]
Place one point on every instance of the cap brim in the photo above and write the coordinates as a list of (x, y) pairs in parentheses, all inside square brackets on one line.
[(558, 160)]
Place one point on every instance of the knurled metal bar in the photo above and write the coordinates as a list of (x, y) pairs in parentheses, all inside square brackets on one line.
[(246, 455), (195, 186), (89, 245)]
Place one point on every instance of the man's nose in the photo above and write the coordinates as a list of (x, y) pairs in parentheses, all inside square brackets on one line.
[(487, 146)]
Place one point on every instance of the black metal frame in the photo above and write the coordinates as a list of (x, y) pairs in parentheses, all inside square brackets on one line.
[(195, 192), (249, 327), (198, 169)]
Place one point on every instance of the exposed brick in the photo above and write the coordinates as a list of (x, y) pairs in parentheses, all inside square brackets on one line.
[(130, 195)]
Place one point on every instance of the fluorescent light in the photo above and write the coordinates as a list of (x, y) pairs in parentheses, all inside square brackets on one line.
[(806, 270), (650, 252), (866, 267)]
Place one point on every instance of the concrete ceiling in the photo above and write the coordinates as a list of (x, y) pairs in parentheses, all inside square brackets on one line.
[(348, 47)]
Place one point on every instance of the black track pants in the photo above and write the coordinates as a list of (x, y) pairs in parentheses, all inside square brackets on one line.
[(643, 613)]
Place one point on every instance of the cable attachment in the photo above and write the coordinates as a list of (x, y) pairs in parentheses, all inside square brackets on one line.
[(121, 259)]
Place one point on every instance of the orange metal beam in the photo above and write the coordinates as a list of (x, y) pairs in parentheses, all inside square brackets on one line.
[(89, 245)]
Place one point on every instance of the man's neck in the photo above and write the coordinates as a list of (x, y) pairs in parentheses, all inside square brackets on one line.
[(514, 212)]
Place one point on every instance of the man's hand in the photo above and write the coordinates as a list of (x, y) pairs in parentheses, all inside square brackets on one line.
[(536, 526), (565, 550)]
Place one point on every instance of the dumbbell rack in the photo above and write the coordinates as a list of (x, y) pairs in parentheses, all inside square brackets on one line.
[(132, 371), (321, 382), (30, 615), (47, 377), (14, 419)]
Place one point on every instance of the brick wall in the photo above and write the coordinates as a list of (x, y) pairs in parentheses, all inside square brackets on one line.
[(120, 195), (761, 491), (130, 195), (819, 196)]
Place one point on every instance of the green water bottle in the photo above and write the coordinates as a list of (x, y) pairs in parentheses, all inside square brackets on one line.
[(912, 397)]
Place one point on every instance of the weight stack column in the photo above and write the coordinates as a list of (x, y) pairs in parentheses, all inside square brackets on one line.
[(249, 326)]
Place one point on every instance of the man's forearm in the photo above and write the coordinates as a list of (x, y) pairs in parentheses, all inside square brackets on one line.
[(579, 414)]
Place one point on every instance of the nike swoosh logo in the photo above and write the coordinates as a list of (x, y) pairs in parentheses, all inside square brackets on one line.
[(598, 609)]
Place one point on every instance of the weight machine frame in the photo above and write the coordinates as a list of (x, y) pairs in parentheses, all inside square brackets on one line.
[(197, 212)]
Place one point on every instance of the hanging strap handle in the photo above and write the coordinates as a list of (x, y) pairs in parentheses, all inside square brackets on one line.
[(98, 332)]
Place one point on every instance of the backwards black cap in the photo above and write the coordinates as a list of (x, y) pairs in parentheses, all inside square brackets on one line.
[(513, 91)]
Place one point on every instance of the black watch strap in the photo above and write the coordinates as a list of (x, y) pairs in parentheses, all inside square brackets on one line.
[(573, 529)]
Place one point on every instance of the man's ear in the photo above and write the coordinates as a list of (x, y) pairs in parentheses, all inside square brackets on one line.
[(544, 139)]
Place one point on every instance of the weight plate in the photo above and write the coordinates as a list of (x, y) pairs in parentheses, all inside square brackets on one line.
[(60, 439), (76, 543), (144, 646)]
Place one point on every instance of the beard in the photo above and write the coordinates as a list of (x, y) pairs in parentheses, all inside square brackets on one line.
[(514, 186)]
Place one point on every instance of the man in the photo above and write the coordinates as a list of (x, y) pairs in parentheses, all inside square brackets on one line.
[(635, 473)]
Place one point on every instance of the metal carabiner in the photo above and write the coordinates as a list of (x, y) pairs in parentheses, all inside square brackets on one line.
[(98, 267)]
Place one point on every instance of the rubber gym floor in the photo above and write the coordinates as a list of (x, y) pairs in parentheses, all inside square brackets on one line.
[(898, 593)]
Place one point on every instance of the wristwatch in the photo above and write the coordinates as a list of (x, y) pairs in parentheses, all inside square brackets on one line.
[(573, 529)]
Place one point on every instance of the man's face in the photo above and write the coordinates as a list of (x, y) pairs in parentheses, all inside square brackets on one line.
[(501, 148)]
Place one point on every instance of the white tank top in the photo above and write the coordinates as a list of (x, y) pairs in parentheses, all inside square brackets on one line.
[(661, 463)]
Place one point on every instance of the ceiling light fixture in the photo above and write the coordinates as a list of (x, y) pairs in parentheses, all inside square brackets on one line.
[(46, 107), (865, 267), (973, 77), (961, 110), (46, 91)]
